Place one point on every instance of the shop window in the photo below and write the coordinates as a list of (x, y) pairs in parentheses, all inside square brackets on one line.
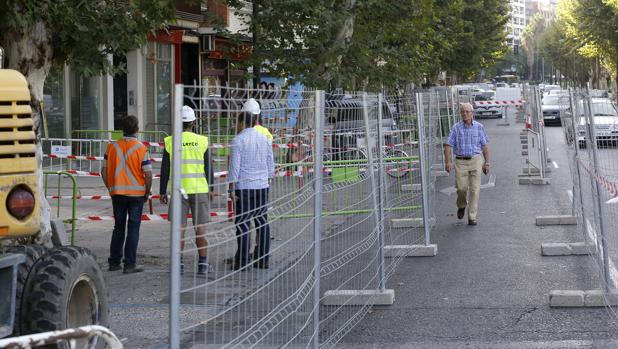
[(53, 102), (85, 102), (158, 79)]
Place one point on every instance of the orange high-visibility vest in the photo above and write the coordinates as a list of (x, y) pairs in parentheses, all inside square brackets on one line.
[(124, 167)]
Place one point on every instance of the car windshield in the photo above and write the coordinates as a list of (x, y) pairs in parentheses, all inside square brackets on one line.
[(555, 100), (603, 109)]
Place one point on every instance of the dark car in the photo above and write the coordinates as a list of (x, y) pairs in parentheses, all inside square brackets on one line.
[(553, 108)]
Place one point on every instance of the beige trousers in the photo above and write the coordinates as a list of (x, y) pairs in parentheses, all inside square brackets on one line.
[(468, 184)]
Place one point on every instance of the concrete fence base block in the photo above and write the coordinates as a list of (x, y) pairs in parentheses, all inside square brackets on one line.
[(407, 222), (534, 181), (504, 124), (582, 248), (358, 297), (440, 173), (524, 146), (567, 249), (555, 249), (392, 251), (556, 220), (582, 298), (411, 187), (600, 298), (534, 170), (525, 152), (561, 298)]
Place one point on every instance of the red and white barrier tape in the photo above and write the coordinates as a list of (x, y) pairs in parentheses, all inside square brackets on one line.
[(86, 157), (611, 187), (151, 217), (500, 103)]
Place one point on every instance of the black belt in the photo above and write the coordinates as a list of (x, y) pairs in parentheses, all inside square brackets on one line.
[(463, 157)]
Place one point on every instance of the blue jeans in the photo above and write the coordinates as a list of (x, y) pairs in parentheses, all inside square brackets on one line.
[(252, 204), (132, 207)]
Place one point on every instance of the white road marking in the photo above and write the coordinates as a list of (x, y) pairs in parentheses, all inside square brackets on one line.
[(555, 164)]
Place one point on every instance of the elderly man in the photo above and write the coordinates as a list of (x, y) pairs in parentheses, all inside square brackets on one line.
[(467, 140)]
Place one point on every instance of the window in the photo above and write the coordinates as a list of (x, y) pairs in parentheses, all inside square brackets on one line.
[(53, 99), (158, 86)]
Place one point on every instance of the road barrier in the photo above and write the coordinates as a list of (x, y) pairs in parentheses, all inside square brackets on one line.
[(591, 136), (536, 149), (351, 196), (343, 211)]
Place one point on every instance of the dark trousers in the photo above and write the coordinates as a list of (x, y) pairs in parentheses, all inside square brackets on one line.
[(252, 204), (131, 207)]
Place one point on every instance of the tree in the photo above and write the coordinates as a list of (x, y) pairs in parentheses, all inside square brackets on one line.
[(482, 39), (530, 39), (359, 43), (591, 26), (83, 34)]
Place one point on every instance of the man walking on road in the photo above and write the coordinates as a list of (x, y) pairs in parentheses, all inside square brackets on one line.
[(251, 165), (467, 140), (196, 175), (127, 174)]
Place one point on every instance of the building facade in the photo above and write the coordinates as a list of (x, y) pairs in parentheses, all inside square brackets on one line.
[(516, 23), (189, 52)]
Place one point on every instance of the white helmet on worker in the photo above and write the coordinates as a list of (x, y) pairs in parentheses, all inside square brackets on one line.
[(187, 114), (251, 106)]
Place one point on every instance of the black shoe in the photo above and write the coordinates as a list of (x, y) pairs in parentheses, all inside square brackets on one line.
[(472, 222), (132, 270), (114, 267), (461, 212)]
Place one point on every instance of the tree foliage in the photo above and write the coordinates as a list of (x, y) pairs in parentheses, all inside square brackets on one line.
[(375, 42)]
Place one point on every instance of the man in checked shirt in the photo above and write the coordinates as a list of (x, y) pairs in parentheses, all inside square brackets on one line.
[(251, 165), (467, 140)]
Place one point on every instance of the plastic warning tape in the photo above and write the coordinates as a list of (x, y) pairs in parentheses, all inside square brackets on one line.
[(489, 103), (151, 217), (222, 145), (86, 157), (102, 197), (610, 186)]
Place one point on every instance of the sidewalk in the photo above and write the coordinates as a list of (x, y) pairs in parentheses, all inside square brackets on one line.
[(488, 285)]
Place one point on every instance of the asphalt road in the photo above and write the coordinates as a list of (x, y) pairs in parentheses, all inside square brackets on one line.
[(488, 285)]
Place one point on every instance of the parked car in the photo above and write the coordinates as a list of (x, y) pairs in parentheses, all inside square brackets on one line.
[(605, 122), (482, 110), (553, 107)]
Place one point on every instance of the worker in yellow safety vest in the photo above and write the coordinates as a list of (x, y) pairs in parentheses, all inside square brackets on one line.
[(196, 181), (127, 174), (252, 106)]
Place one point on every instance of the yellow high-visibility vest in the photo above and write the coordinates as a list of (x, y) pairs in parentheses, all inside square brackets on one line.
[(263, 130), (193, 178)]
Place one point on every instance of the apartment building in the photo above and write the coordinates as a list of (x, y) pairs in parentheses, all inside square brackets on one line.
[(189, 52)]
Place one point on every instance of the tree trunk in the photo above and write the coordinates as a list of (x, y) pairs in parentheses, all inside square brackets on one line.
[(30, 52), (341, 41)]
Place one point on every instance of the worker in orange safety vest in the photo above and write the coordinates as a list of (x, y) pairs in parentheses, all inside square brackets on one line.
[(127, 174)]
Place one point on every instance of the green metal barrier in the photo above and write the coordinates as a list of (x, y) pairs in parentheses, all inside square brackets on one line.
[(73, 218)]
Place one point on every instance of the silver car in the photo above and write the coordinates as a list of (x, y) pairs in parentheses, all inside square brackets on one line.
[(605, 122)]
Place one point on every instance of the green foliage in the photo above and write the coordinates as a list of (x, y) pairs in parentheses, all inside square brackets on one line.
[(375, 42), (79, 33), (482, 38)]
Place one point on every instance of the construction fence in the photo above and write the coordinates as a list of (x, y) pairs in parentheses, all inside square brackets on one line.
[(298, 260), (590, 128)]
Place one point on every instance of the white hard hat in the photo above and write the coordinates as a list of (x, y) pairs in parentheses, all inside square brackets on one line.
[(251, 106), (187, 114)]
